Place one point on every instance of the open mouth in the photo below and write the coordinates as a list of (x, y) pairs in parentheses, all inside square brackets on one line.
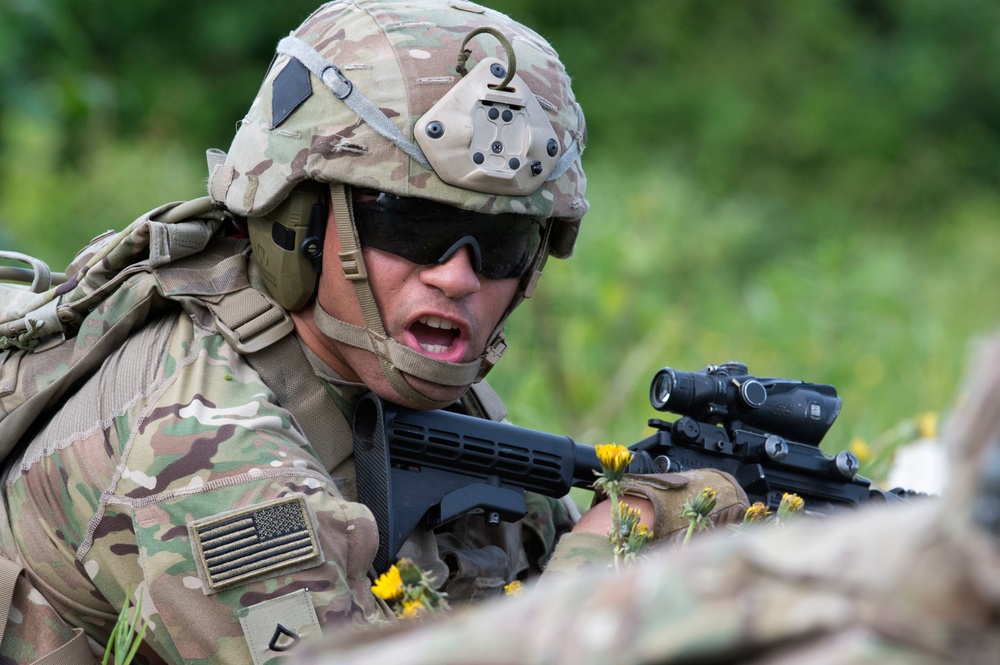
[(434, 334)]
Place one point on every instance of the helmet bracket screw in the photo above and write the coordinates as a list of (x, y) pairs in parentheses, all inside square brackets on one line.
[(435, 130)]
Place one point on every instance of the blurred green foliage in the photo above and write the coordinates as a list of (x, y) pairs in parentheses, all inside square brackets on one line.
[(808, 187)]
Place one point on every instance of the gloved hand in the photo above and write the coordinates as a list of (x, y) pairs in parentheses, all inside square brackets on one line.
[(667, 493)]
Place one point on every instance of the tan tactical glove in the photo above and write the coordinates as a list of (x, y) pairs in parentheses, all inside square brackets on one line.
[(668, 492)]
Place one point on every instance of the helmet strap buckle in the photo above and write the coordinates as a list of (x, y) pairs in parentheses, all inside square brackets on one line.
[(494, 351), (353, 265)]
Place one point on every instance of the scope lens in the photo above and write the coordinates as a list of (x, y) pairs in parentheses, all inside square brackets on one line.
[(663, 385), (754, 393)]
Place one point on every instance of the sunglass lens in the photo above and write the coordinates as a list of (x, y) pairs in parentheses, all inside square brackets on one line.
[(424, 232)]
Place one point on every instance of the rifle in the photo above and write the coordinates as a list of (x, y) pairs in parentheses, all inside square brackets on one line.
[(433, 466)]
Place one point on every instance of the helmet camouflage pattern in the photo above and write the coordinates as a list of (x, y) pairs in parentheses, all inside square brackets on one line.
[(395, 61)]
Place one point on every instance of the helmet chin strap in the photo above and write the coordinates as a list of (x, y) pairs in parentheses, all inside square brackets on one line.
[(394, 358)]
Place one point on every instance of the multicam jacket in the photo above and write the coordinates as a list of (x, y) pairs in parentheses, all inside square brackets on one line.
[(140, 482)]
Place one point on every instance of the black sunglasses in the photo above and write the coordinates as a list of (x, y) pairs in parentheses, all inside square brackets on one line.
[(425, 232)]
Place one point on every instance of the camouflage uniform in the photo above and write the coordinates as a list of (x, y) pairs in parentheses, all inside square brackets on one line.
[(177, 429)]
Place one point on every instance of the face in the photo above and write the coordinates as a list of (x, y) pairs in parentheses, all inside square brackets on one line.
[(444, 310)]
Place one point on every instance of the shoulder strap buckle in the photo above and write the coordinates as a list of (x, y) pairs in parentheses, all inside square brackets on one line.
[(250, 321)]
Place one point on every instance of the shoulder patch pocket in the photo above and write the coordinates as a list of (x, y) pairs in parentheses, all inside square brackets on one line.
[(254, 543)]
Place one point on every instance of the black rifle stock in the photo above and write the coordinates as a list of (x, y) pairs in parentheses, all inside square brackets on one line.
[(429, 467)]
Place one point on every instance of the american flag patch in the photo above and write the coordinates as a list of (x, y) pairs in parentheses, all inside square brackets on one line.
[(254, 543)]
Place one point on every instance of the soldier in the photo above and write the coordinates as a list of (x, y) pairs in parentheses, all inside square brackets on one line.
[(402, 176)]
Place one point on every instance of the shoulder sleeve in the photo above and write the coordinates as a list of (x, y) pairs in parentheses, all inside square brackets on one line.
[(217, 514)]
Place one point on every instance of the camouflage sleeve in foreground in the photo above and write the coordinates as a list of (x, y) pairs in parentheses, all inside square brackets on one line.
[(145, 476), (880, 587)]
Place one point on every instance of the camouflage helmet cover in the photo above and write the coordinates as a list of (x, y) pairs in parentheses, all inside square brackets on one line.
[(403, 57)]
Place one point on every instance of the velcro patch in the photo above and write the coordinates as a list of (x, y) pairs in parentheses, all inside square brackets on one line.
[(274, 627), (291, 87), (254, 543)]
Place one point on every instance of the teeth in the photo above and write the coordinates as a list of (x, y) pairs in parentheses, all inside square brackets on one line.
[(434, 348), (437, 322)]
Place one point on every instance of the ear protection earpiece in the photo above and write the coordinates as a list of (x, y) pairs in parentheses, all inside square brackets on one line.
[(287, 244)]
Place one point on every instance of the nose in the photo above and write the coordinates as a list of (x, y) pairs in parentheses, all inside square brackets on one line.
[(455, 277)]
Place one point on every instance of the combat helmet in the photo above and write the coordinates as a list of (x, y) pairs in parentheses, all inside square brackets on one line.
[(442, 100)]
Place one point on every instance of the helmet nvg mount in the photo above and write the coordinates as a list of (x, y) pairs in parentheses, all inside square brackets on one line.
[(443, 100), (487, 127)]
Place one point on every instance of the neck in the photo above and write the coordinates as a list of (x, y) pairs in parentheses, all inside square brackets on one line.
[(325, 348)]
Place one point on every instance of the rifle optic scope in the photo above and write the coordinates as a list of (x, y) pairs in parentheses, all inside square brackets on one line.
[(727, 395)]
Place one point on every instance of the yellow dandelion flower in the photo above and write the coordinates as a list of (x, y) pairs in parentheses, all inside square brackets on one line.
[(704, 502), (638, 538), (389, 585), (860, 448), (630, 516), (696, 511), (790, 505), (927, 425), (412, 609), (613, 457), (514, 589), (758, 512)]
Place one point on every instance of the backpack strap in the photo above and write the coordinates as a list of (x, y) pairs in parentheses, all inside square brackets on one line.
[(483, 402), (74, 652), (219, 278), (9, 572), (322, 414), (223, 279), (250, 321)]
